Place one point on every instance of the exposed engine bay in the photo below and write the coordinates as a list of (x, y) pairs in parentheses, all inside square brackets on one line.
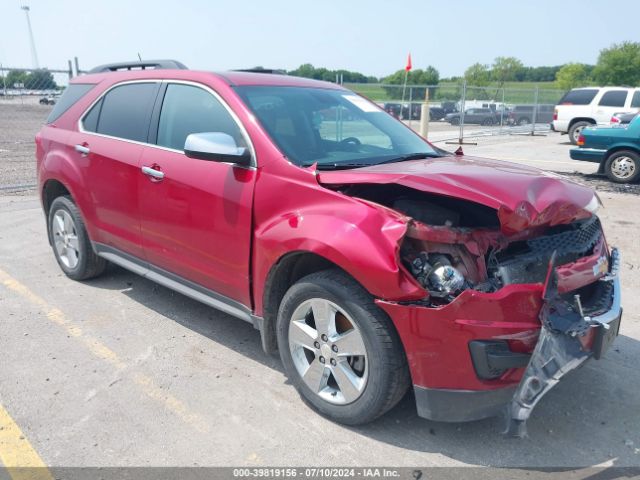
[(453, 245)]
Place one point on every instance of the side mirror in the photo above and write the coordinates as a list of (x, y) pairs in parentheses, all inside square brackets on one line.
[(216, 146)]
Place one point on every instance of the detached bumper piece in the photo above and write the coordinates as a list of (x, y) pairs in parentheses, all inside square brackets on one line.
[(561, 346)]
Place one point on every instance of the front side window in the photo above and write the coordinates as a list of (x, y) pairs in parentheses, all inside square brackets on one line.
[(335, 128), (125, 111), (614, 98), (635, 101), (188, 109)]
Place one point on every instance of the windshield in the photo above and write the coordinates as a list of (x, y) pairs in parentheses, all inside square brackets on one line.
[(335, 128)]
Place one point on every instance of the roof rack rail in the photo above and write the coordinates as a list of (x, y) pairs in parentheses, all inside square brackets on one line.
[(140, 65), (275, 71)]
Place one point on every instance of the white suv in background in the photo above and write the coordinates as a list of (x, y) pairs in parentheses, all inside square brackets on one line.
[(582, 107)]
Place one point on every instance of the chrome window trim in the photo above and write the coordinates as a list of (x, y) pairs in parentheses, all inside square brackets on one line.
[(229, 110)]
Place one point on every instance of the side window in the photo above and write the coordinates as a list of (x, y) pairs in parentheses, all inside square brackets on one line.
[(189, 109), (635, 101), (613, 98), (125, 111), (71, 95), (90, 120)]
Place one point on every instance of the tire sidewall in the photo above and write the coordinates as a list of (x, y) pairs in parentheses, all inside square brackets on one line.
[(622, 153), (349, 413), (574, 127), (63, 203)]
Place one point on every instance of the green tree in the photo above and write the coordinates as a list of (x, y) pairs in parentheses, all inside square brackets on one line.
[(572, 75), (16, 77), (40, 80), (393, 83), (619, 65), (505, 69), (477, 75)]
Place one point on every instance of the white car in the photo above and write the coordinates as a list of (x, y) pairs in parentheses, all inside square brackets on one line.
[(582, 107)]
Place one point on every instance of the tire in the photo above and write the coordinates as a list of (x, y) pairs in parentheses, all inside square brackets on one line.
[(576, 130), (623, 166), (487, 122), (380, 375), (70, 242), (523, 121), (455, 121)]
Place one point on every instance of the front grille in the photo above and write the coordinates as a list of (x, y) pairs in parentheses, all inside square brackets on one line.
[(580, 239), (528, 261)]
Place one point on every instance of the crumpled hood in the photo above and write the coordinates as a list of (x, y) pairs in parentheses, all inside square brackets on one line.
[(524, 196)]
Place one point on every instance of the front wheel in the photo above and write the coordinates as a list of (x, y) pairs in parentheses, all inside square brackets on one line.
[(623, 166), (339, 350)]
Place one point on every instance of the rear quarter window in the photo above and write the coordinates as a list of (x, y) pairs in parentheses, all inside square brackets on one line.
[(579, 97), (69, 97), (614, 98)]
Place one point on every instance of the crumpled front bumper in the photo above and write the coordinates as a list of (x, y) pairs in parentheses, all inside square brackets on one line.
[(437, 341), (562, 347)]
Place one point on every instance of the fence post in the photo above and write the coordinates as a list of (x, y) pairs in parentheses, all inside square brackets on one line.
[(410, 107), (75, 60), (70, 70), (4, 80), (535, 112), (462, 101), (502, 112), (424, 115)]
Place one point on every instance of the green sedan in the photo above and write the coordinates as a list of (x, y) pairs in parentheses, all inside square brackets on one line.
[(616, 149)]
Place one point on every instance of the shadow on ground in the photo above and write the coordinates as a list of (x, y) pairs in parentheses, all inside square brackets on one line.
[(591, 417)]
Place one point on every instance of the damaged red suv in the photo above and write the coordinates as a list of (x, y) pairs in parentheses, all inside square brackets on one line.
[(370, 259)]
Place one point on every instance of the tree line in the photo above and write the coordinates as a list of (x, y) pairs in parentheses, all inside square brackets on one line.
[(36, 80), (616, 65)]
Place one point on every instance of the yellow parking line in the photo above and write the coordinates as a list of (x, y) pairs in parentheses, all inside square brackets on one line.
[(100, 350), (16, 453)]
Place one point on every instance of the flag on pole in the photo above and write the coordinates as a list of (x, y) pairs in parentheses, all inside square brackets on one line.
[(408, 67)]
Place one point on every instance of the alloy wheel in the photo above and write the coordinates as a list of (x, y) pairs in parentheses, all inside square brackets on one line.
[(65, 239), (328, 351), (623, 167)]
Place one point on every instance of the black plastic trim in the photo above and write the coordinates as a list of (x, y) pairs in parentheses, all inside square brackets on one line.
[(144, 65), (443, 405), (491, 358)]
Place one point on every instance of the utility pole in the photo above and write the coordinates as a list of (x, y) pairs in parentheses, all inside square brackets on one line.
[(34, 55)]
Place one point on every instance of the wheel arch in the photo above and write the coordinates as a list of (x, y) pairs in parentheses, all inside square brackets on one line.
[(581, 119)]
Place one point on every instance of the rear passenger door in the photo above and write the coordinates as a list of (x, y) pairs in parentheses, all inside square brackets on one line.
[(196, 218), (611, 102), (107, 148)]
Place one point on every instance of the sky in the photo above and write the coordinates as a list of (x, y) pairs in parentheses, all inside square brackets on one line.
[(369, 36)]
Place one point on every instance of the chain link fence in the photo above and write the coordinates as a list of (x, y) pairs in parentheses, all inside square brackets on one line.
[(26, 99), (458, 111)]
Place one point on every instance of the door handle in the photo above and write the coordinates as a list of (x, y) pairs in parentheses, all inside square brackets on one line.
[(82, 149), (152, 172)]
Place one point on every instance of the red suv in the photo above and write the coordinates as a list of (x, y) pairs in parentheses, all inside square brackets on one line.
[(371, 259)]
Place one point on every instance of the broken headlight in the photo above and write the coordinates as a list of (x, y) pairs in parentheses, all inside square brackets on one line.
[(437, 275)]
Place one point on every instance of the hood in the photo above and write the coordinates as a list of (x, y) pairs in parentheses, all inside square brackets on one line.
[(525, 197)]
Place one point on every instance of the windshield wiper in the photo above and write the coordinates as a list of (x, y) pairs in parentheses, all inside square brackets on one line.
[(409, 156)]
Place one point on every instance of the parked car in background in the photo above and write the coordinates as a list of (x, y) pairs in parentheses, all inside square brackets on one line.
[(525, 114), (616, 149), (479, 116), (435, 113), (621, 118), (48, 100), (582, 107)]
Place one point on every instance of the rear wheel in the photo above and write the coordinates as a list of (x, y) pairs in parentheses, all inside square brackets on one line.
[(576, 130), (455, 121), (339, 350), (70, 242), (623, 166)]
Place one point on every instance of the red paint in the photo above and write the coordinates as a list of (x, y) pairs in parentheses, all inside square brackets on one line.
[(225, 227)]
